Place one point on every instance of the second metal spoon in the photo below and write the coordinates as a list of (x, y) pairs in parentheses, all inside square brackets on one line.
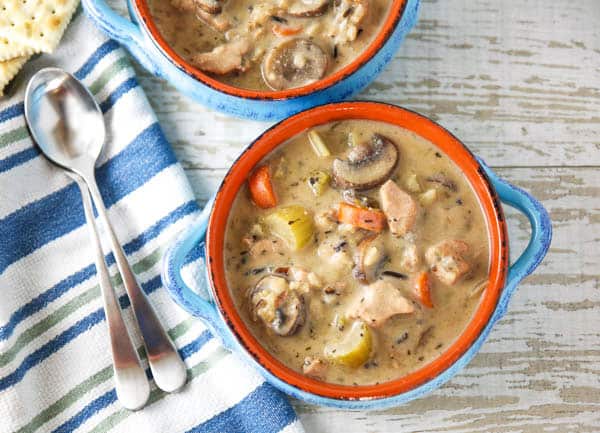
[(131, 383), (68, 126)]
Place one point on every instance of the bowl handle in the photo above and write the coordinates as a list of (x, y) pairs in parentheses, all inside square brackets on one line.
[(174, 260), (541, 235), (120, 29)]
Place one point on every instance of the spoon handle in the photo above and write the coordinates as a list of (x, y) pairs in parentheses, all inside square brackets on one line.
[(167, 367), (131, 382)]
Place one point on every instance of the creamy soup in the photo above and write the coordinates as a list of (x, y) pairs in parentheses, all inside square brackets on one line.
[(276, 44), (356, 252)]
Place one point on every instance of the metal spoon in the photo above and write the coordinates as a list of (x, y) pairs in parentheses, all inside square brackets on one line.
[(68, 126), (131, 382)]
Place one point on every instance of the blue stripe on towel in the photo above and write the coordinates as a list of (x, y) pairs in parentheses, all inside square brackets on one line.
[(32, 152), (87, 412), (121, 90), (264, 410), (104, 49), (68, 335), (57, 214), (110, 397), (50, 347), (18, 158), (12, 111), (43, 299)]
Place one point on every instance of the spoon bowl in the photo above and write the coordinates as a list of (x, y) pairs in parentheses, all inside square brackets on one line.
[(68, 123)]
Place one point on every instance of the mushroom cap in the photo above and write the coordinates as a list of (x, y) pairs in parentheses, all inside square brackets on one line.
[(308, 8), (367, 166), (294, 63), (277, 305)]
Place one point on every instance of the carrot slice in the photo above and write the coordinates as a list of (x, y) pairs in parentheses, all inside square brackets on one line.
[(283, 31), (423, 289), (369, 219), (261, 188)]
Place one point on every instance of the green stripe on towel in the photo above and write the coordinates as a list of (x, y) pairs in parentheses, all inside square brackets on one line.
[(90, 383), (71, 307)]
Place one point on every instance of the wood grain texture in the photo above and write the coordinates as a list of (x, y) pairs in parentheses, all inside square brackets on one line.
[(518, 82)]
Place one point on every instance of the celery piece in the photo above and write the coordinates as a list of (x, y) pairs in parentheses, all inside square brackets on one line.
[(318, 181), (318, 144)]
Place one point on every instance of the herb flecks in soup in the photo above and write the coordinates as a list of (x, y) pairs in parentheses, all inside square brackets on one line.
[(276, 44), (356, 252)]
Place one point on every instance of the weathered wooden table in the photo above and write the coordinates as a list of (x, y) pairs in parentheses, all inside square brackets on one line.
[(519, 82)]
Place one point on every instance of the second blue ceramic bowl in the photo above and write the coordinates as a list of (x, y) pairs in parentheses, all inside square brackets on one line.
[(143, 41)]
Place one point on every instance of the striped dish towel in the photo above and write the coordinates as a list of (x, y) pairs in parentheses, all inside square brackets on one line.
[(55, 366)]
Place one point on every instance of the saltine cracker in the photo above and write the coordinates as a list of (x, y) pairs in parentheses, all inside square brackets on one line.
[(38, 24), (10, 50), (9, 68)]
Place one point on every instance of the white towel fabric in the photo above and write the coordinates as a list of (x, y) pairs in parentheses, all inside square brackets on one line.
[(55, 365)]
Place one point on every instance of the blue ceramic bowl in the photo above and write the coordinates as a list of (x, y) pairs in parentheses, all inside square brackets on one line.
[(211, 311), (144, 43)]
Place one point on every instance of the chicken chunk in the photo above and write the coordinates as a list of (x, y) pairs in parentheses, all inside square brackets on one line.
[(447, 260), (314, 367), (300, 279), (261, 14), (224, 59), (264, 247), (410, 258), (217, 22), (399, 208), (334, 251), (185, 5), (327, 220), (380, 301), (349, 15)]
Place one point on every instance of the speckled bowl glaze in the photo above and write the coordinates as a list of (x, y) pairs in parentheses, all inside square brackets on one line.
[(141, 37), (219, 311)]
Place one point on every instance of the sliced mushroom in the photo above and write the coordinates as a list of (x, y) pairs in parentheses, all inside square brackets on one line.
[(367, 166), (308, 8), (280, 308), (225, 58), (370, 255), (211, 6), (294, 63)]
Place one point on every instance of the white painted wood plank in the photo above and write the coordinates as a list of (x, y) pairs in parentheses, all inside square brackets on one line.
[(516, 80)]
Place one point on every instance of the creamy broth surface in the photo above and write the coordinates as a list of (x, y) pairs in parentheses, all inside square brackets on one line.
[(269, 45), (327, 274)]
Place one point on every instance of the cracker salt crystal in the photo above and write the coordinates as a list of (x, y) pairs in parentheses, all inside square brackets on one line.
[(37, 24), (9, 68)]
